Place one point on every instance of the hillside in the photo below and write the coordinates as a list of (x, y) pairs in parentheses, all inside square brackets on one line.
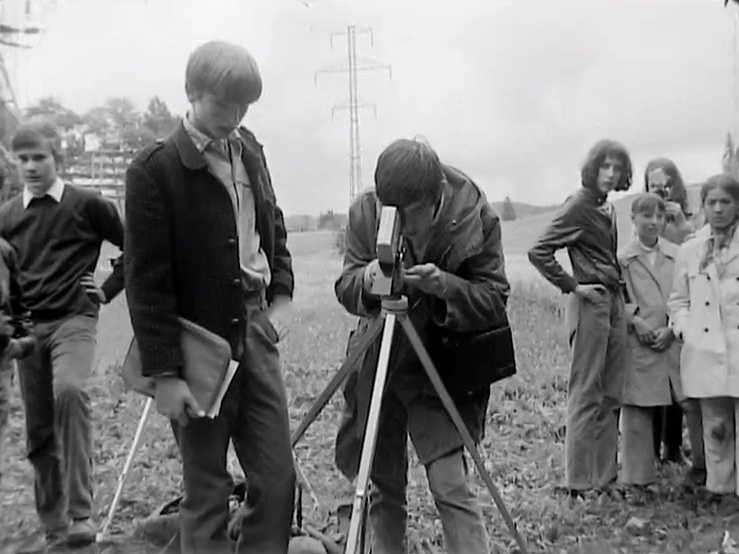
[(522, 209)]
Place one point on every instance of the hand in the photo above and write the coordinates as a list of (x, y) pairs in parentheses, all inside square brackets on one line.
[(662, 339), (591, 293), (175, 401), (427, 277), (371, 272), (19, 348), (12, 351), (643, 330), (673, 210), (278, 314), (91, 288)]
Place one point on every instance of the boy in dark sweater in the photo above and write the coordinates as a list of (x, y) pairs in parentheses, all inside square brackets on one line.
[(586, 226), (56, 231)]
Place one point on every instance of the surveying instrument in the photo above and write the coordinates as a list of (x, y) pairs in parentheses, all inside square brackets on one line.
[(385, 283)]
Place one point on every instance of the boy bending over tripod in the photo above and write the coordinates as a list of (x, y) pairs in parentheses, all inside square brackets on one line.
[(454, 280)]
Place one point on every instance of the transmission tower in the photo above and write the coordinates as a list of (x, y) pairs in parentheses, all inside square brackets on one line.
[(352, 66), (21, 21)]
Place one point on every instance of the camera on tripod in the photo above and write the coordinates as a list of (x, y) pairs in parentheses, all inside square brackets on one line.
[(387, 277)]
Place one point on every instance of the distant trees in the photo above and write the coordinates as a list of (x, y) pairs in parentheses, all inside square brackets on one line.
[(117, 122), (331, 221)]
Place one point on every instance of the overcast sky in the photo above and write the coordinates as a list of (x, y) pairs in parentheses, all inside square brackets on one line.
[(512, 92)]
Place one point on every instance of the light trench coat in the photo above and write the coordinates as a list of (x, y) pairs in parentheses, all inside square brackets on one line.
[(649, 373), (704, 308)]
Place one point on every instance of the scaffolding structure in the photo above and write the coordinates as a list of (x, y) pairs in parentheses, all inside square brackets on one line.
[(352, 66)]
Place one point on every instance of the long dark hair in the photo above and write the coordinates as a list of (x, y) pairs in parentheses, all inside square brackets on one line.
[(678, 193), (597, 155)]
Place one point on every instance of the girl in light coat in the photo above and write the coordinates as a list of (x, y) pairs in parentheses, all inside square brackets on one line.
[(652, 377), (704, 308)]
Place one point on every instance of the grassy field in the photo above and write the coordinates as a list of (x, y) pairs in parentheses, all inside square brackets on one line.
[(523, 447)]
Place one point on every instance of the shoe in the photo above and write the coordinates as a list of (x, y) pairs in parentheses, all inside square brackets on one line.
[(675, 457), (639, 495), (695, 478), (81, 532), (42, 542), (575, 494)]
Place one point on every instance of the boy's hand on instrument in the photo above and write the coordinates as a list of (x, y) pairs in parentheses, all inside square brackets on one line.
[(427, 277), (175, 400), (644, 331)]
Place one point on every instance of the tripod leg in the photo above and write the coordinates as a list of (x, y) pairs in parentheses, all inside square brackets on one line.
[(451, 409), (122, 478), (370, 436), (367, 338)]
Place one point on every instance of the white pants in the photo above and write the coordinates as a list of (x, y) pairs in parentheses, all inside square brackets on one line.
[(720, 416)]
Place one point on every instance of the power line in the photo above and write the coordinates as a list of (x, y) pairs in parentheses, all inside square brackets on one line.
[(352, 66)]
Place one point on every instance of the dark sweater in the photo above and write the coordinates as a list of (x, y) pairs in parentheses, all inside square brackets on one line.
[(56, 244), (587, 228)]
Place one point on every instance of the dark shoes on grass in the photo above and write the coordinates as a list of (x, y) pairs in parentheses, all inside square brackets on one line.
[(79, 533)]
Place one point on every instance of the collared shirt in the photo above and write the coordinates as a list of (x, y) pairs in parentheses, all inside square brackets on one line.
[(56, 191), (224, 162), (650, 251)]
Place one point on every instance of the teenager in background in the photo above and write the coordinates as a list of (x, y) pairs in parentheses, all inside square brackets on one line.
[(586, 226), (56, 231)]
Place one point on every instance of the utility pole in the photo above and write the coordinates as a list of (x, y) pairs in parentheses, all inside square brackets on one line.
[(21, 21), (352, 66)]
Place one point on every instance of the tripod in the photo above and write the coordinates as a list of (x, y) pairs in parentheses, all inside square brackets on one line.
[(395, 309)]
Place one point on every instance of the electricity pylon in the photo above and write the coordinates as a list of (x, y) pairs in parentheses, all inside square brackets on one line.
[(352, 66)]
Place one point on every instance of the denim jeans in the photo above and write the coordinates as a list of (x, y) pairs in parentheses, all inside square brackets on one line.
[(460, 513), (53, 383), (637, 440), (437, 444), (254, 417), (598, 348)]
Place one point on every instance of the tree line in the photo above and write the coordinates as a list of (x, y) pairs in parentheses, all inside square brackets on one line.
[(115, 125)]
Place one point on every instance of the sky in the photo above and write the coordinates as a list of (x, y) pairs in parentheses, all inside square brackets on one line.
[(512, 92)]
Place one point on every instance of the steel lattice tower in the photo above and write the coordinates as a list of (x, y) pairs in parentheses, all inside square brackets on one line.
[(352, 66)]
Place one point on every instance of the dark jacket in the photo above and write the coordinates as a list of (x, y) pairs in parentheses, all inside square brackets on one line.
[(181, 247), (586, 226), (465, 242)]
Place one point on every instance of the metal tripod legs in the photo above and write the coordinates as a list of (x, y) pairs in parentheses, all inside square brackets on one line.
[(370, 436), (395, 309)]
